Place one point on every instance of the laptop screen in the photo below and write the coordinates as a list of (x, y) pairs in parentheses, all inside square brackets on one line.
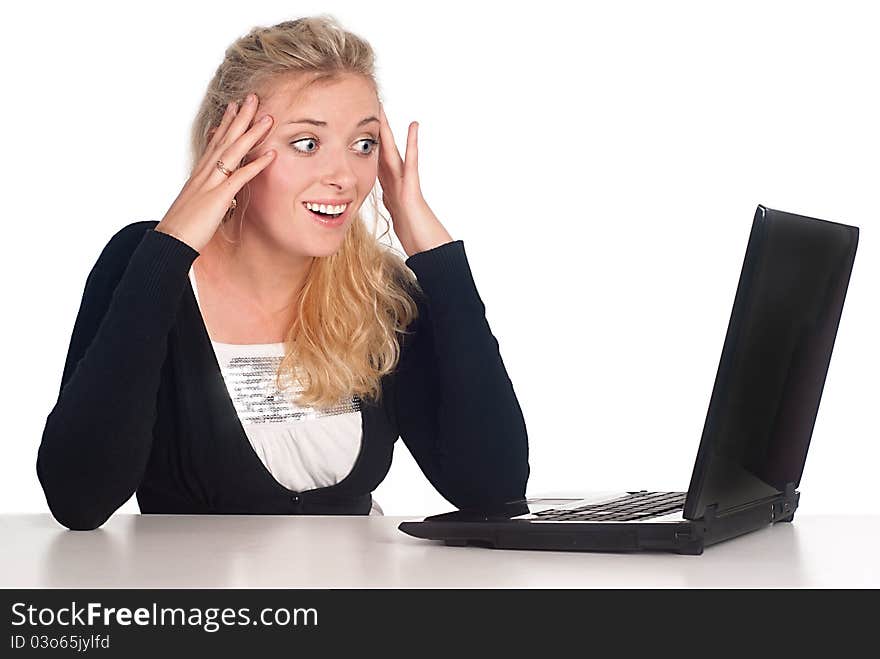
[(774, 361)]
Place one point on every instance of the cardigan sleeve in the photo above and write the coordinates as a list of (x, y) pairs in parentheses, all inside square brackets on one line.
[(98, 436), (455, 405)]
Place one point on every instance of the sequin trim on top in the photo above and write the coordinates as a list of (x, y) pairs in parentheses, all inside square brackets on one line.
[(251, 384)]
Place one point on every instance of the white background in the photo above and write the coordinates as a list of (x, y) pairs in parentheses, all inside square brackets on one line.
[(601, 163)]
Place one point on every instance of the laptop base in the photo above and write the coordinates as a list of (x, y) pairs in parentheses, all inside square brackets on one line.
[(497, 530)]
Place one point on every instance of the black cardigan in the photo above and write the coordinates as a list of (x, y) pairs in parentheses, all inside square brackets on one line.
[(143, 406)]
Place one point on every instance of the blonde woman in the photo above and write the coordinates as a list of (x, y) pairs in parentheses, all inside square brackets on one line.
[(259, 350)]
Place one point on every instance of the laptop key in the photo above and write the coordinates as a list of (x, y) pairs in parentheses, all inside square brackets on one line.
[(639, 505)]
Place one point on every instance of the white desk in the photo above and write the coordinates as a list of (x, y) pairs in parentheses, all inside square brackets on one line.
[(192, 551)]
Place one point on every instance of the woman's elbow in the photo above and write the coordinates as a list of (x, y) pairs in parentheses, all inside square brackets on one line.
[(78, 521), (67, 508), (76, 517), (485, 491)]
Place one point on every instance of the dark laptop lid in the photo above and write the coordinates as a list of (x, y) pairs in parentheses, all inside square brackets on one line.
[(774, 361)]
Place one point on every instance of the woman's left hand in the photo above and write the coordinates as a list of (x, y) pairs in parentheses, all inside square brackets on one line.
[(414, 223)]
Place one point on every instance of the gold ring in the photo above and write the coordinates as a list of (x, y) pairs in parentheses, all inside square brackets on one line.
[(222, 168)]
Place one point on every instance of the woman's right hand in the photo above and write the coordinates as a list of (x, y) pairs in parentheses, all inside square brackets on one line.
[(199, 208)]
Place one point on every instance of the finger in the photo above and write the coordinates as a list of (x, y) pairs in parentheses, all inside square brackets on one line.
[(411, 165), (228, 116), (245, 173), (235, 154), (239, 125), (388, 150), (217, 133), (240, 137)]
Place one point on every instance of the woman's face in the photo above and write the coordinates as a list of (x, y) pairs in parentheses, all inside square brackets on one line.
[(325, 141)]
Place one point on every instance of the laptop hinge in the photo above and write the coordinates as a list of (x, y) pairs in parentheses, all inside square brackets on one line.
[(711, 511), (790, 502)]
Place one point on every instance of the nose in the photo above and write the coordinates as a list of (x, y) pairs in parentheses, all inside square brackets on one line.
[(338, 172)]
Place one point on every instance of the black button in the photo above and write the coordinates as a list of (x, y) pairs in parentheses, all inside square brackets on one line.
[(295, 498)]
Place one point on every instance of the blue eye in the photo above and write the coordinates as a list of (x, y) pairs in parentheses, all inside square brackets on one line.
[(373, 144), (370, 141), (305, 139)]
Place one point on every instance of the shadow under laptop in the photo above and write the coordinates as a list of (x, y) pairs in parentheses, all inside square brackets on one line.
[(769, 557)]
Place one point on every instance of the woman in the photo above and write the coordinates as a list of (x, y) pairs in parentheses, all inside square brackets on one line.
[(258, 350)]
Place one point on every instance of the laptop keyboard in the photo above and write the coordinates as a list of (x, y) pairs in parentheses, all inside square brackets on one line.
[(635, 506)]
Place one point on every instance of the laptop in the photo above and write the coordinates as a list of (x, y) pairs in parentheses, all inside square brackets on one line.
[(758, 427)]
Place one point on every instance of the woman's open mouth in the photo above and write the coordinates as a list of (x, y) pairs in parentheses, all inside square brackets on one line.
[(328, 215)]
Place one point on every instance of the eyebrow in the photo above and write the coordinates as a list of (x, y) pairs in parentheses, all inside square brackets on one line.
[(315, 122)]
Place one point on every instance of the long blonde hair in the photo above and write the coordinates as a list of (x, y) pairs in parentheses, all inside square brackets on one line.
[(355, 302)]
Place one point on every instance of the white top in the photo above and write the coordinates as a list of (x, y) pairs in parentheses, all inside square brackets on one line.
[(302, 447)]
